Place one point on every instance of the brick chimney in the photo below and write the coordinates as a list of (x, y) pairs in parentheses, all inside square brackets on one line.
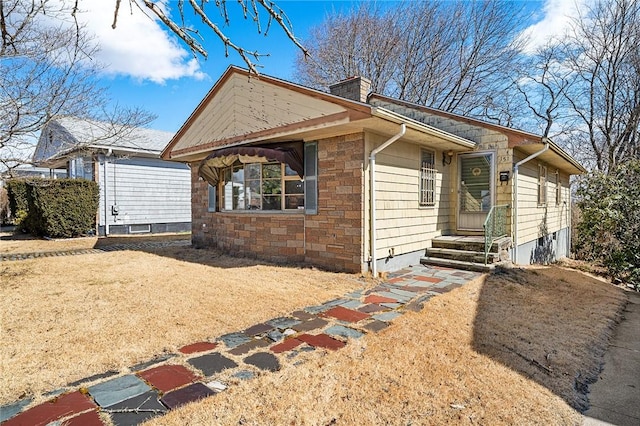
[(354, 88)]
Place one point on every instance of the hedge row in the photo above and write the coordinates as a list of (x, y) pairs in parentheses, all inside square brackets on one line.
[(57, 208)]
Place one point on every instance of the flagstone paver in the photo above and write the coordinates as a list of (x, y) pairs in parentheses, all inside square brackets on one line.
[(310, 325), (91, 418), (387, 316), (47, 412), (351, 304), (10, 410), (232, 340), (212, 363), (117, 390), (375, 326), (129, 400), (93, 378), (168, 377), (321, 341), (372, 307), (340, 330), (244, 375), (344, 314), (287, 345), (136, 410), (249, 346), (146, 364), (374, 298), (264, 361), (191, 393), (258, 329), (275, 335), (283, 323), (198, 347), (302, 315)]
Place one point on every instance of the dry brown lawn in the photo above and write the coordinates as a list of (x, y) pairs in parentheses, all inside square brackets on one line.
[(508, 350), (25, 243), (65, 318), (516, 347)]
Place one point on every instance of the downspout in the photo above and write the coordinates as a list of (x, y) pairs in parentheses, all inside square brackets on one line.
[(106, 198), (372, 190), (515, 195)]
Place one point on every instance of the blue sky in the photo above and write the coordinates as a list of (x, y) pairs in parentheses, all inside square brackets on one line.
[(147, 67)]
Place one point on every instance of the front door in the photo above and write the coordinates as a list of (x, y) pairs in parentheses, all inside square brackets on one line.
[(475, 189)]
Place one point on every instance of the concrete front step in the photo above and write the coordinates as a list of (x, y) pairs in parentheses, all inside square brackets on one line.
[(463, 255), (468, 243), (457, 264)]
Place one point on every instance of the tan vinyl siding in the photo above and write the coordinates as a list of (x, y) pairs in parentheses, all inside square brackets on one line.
[(402, 224), (535, 220), (246, 105)]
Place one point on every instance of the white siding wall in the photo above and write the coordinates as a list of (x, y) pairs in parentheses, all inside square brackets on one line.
[(146, 191), (402, 224), (533, 218)]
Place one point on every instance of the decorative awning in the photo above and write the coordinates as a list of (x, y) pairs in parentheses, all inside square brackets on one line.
[(210, 166)]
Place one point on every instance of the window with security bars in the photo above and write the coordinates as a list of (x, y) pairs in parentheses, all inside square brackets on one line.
[(542, 185), (427, 178)]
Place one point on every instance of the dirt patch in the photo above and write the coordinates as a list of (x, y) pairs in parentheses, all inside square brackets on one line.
[(66, 318), (446, 364)]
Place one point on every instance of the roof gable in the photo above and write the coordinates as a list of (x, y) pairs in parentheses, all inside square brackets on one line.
[(63, 135), (241, 106)]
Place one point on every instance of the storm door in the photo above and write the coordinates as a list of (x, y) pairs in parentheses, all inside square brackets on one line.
[(476, 189)]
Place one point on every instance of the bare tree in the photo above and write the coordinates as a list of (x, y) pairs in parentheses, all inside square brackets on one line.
[(543, 83), (456, 56), (204, 11), (602, 53), (46, 70)]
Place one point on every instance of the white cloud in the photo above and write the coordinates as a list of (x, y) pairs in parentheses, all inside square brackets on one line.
[(139, 46), (557, 16)]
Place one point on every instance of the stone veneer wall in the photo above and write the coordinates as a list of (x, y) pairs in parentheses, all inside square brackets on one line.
[(334, 236), (331, 239)]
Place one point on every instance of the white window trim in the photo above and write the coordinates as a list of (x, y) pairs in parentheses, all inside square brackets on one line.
[(558, 188), (543, 195), (212, 208), (426, 194)]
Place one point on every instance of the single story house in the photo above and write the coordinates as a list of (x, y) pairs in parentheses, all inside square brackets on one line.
[(139, 192), (357, 181)]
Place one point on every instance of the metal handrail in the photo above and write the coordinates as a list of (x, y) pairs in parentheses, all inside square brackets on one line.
[(495, 227)]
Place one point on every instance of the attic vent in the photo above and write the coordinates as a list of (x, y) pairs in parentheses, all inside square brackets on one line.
[(139, 229)]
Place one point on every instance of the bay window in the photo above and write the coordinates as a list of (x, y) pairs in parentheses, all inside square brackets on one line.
[(262, 186)]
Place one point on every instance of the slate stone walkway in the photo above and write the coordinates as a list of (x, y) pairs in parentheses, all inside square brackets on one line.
[(168, 381), (115, 247)]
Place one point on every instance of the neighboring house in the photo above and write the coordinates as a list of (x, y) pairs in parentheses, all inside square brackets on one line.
[(288, 173), (139, 192)]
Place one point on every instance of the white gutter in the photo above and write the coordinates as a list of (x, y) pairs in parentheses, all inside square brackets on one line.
[(421, 127), (372, 190), (515, 195)]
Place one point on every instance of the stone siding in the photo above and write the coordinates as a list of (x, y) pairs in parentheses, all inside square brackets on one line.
[(331, 239)]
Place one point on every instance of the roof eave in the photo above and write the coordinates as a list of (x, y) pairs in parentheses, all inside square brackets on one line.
[(421, 127)]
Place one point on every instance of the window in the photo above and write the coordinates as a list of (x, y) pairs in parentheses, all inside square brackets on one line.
[(212, 199), (262, 186), (427, 178), (81, 168), (558, 188), (542, 185)]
